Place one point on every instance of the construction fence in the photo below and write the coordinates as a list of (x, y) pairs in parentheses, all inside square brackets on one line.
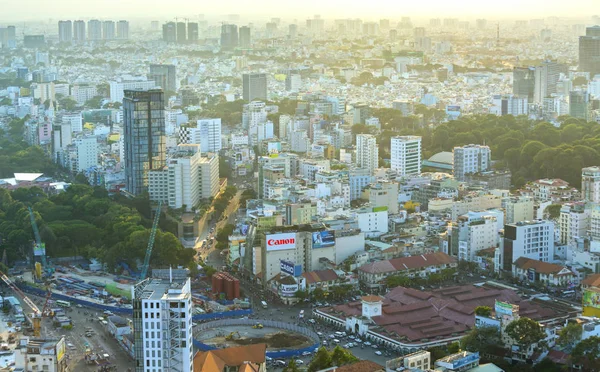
[(266, 323)]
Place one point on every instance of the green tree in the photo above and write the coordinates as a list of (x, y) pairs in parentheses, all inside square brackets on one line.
[(547, 365), (483, 311), (570, 334), (67, 103), (300, 294), (341, 356), (291, 367), (481, 339), (318, 294), (587, 353), (526, 333), (321, 360), (553, 211)]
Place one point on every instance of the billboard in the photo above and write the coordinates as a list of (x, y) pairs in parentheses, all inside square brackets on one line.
[(458, 362), (39, 249), (60, 349), (504, 308), (591, 299), (286, 267), (323, 239), (289, 290), (280, 242)]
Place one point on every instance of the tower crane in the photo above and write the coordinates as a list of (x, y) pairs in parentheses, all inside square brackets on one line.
[(151, 242), (36, 317)]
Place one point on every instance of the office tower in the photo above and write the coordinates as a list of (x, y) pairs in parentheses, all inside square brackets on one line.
[(293, 81), (181, 33), (154, 26), (271, 30), (361, 112), (206, 133), (590, 184), (123, 30), (367, 152), (8, 37), (435, 22), (170, 32), (509, 105), (393, 34), (229, 36), (471, 159), (108, 30), (192, 31), (589, 51), (86, 154), (144, 132), (531, 239), (293, 31), (546, 79), (164, 76), (254, 87), (579, 101), (518, 208), (94, 30), (245, 37), (79, 31), (162, 325), (406, 155), (65, 31), (117, 89), (524, 82)]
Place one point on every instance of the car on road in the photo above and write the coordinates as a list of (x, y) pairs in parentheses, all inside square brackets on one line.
[(378, 352), (367, 343), (299, 361), (79, 306), (306, 353)]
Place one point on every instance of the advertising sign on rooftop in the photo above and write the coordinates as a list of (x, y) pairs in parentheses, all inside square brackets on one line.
[(280, 242)]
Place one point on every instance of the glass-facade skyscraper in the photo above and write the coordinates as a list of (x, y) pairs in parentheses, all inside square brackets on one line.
[(589, 51), (144, 130)]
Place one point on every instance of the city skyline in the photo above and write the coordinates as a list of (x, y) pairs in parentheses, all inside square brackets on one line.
[(330, 9)]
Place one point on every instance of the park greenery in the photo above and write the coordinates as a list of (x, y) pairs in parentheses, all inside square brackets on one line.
[(86, 221), (324, 359)]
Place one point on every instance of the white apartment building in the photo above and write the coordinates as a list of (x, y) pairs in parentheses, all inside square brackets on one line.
[(254, 113), (210, 134), (383, 194), (574, 222), (258, 132), (406, 155), (373, 221), (518, 208), (590, 184), (117, 88), (299, 141), (75, 120), (470, 159), (475, 203), (40, 355), (162, 326), (83, 93), (367, 152), (475, 235), (310, 167), (531, 239), (509, 105), (186, 179), (239, 139), (86, 153)]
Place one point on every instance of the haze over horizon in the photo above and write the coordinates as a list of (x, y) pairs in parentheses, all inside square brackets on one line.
[(527, 9)]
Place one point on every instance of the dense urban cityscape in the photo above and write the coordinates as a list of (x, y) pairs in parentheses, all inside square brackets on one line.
[(325, 193)]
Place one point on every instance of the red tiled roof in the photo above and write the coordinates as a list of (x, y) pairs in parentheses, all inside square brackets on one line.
[(320, 276), (592, 280), (362, 366), (408, 263), (217, 360), (541, 267), (372, 298)]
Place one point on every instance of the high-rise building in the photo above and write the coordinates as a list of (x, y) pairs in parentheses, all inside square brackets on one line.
[(254, 87), (590, 184), (574, 222), (117, 89), (546, 78), (86, 153), (94, 30), (367, 152), (509, 105), (589, 51), (123, 30), (530, 239), (108, 30), (293, 31), (518, 208), (170, 32), (470, 159), (192, 32), (229, 36), (154, 25), (406, 155), (162, 325), (524, 82), (206, 133), (579, 102), (165, 76), (8, 37), (245, 37), (144, 132), (79, 31), (65, 31), (181, 33)]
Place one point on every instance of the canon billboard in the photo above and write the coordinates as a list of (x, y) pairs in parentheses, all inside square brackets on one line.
[(280, 242)]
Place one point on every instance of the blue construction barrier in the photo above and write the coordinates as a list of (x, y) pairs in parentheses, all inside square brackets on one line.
[(221, 315), (292, 353)]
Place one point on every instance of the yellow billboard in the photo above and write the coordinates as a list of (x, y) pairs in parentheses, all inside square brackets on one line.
[(60, 349)]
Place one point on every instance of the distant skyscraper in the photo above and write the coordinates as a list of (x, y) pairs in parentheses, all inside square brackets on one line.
[(192, 31), (94, 30), (589, 51), (8, 37), (79, 31), (123, 30), (181, 33), (293, 31), (546, 79), (229, 36), (65, 31), (154, 26), (367, 152), (524, 82), (254, 87), (245, 37), (170, 32), (144, 132), (164, 76), (406, 155), (108, 30), (579, 101)]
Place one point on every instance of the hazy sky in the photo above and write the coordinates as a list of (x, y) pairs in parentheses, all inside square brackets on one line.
[(288, 9)]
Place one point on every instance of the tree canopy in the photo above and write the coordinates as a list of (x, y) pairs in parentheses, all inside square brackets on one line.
[(525, 332)]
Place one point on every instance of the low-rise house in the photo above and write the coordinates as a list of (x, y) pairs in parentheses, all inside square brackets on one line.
[(543, 272)]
